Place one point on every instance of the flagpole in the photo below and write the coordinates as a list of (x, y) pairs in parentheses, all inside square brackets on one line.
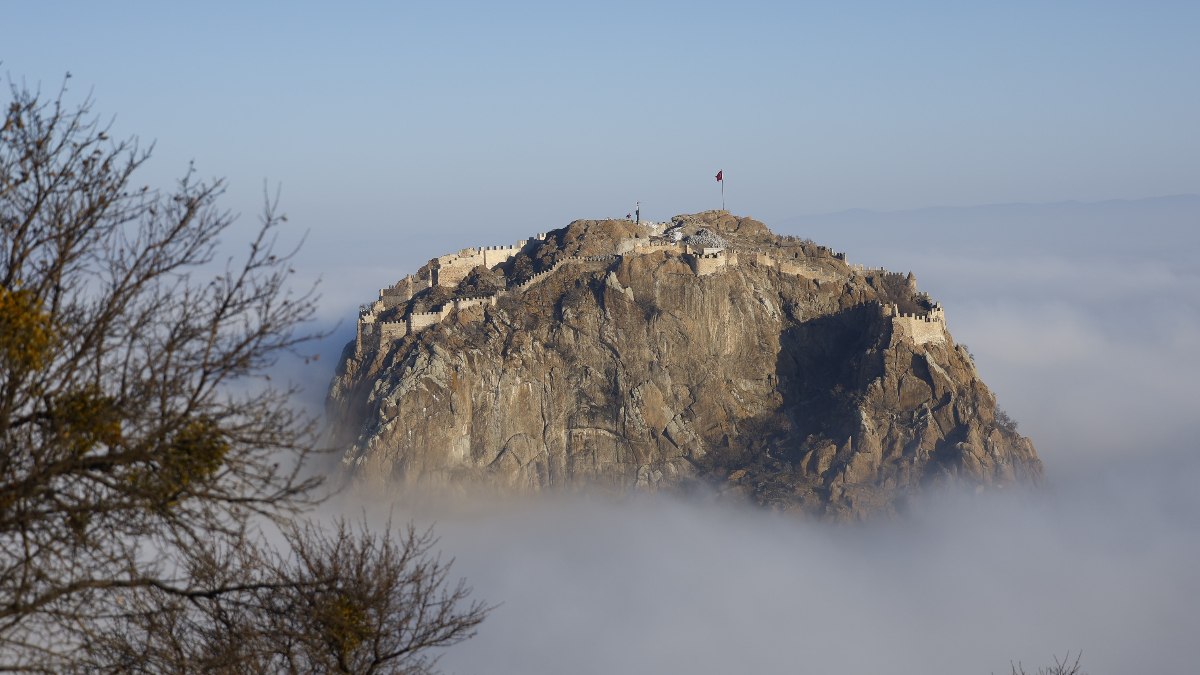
[(722, 190)]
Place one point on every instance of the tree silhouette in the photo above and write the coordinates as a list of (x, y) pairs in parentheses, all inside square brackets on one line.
[(142, 449)]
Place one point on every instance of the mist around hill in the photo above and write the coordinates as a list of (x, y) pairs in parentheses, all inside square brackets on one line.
[(1085, 321), (1084, 318)]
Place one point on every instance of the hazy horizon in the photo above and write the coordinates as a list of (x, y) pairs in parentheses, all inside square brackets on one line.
[(382, 116), (1084, 319), (1035, 165)]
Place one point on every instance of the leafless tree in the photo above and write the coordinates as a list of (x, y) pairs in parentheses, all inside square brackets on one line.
[(340, 601), (1064, 667), (140, 442)]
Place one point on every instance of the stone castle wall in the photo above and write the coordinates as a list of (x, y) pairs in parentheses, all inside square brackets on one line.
[(477, 301), (710, 261), (450, 269), (920, 328), (420, 320), (366, 337), (417, 321), (390, 331), (535, 278), (544, 273), (796, 266), (874, 271), (402, 291), (867, 271)]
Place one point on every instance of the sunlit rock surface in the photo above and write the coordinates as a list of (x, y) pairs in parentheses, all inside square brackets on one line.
[(702, 354)]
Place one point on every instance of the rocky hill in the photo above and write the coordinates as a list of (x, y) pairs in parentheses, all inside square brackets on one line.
[(703, 353)]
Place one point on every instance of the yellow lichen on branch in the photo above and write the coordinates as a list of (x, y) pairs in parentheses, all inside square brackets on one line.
[(26, 331), (344, 622), (83, 420), (193, 455)]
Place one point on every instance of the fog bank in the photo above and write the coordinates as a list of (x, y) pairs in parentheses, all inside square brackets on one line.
[(1102, 561), (1085, 321)]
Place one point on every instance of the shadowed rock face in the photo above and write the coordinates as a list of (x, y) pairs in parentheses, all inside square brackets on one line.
[(793, 388)]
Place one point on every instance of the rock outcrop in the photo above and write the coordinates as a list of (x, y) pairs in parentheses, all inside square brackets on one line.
[(705, 352)]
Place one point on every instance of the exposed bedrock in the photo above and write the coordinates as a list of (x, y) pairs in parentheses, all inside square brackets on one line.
[(779, 374)]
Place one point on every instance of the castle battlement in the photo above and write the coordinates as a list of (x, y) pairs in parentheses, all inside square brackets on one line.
[(861, 269), (709, 260), (390, 331), (449, 269), (475, 301), (362, 336), (400, 292), (533, 279), (920, 328), (419, 320), (452, 268), (400, 288)]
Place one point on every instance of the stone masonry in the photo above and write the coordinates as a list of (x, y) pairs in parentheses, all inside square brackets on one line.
[(450, 269)]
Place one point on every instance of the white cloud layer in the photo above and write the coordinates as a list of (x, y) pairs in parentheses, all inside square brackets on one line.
[(1089, 337), (1102, 562)]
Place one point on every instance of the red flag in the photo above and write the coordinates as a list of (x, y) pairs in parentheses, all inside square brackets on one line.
[(720, 176)]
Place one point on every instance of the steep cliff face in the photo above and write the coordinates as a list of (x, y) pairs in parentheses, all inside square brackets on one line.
[(762, 367)]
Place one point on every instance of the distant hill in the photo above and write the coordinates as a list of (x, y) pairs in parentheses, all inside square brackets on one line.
[(707, 351)]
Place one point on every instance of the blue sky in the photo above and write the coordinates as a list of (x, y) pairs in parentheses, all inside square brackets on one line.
[(378, 115), (400, 131)]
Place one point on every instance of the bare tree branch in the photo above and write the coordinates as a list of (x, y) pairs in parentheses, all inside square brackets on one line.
[(140, 445)]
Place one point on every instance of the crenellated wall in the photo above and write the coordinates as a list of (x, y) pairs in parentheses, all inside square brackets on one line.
[(544, 273), (419, 320), (709, 261), (863, 270), (450, 269), (495, 255), (401, 292), (795, 266), (375, 336), (464, 303), (390, 331), (920, 328), (535, 278), (366, 337)]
